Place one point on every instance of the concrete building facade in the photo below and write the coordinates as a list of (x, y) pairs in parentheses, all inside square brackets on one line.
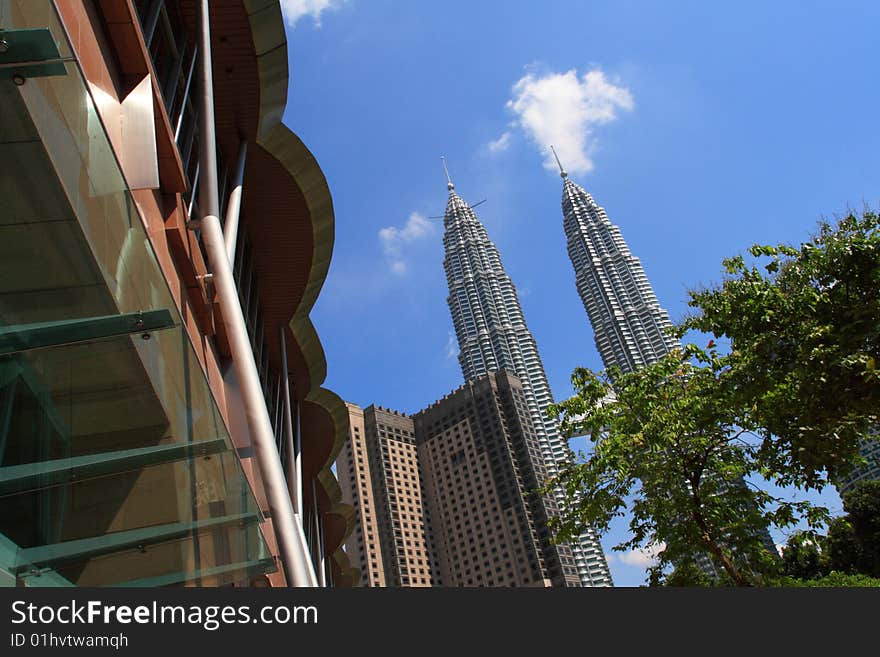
[(483, 466), (454, 493), (356, 481), (406, 535)]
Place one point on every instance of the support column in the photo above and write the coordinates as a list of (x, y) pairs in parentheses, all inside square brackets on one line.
[(233, 207), (292, 453), (298, 471), (297, 565), (319, 537)]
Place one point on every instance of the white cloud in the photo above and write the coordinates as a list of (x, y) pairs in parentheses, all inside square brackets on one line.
[(501, 144), (562, 109), (293, 10), (451, 347), (641, 558), (394, 240)]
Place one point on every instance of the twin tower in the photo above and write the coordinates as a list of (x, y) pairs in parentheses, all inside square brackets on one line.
[(493, 432)]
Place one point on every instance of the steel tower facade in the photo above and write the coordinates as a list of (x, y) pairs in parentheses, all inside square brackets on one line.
[(628, 323), (492, 335)]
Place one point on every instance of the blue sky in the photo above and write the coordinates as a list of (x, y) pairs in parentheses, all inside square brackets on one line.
[(701, 128)]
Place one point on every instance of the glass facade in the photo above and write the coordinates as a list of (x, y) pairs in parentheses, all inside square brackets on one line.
[(116, 466)]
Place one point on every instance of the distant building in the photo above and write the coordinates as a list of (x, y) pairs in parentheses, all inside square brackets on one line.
[(628, 323), (405, 533), (492, 335), (482, 462), (448, 497), (356, 481), (869, 449), (379, 474)]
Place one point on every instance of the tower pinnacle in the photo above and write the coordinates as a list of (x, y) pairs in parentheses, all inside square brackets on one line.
[(449, 184), (562, 172)]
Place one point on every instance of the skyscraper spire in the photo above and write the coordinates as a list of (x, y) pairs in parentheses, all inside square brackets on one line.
[(492, 335), (449, 184), (562, 172)]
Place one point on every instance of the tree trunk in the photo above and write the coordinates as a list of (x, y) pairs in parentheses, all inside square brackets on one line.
[(712, 546)]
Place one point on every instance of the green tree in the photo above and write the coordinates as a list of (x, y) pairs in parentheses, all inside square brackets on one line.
[(804, 331), (685, 573), (804, 556), (833, 579), (844, 548), (670, 446), (854, 539)]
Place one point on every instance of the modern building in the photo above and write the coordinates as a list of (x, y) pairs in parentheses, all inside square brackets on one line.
[(629, 325), (492, 335), (405, 531), (163, 239), (381, 477), (449, 496), (356, 481), (869, 449), (483, 466)]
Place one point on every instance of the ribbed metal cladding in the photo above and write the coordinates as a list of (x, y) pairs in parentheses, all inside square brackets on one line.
[(628, 323), (492, 335)]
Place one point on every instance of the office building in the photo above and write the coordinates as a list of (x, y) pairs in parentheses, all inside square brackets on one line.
[(449, 496), (483, 467), (629, 326), (492, 335), (356, 481), (405, 532), (381, 477)]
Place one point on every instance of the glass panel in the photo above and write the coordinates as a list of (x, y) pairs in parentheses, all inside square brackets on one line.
[(115, 463)]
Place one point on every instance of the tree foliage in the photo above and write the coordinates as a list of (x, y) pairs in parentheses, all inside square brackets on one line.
[(803, 556), (804, 331), (854, 540), (790, 400), (685, 573), (852, 543), (833, 579), (670, 446)]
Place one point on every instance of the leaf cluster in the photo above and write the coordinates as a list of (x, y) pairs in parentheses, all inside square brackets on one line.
[(675, 442), (804, 331), (671, 448), (851, 545)]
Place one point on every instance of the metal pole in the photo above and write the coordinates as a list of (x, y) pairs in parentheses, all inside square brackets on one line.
[(298, 466), (297, 564), (288, 426), (319, 542), (233, 206), (183, 103), (151, 21)]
